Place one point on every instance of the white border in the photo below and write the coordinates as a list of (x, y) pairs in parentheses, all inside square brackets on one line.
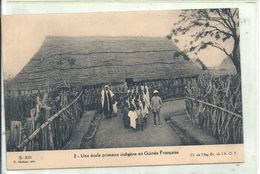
[(53, 6)]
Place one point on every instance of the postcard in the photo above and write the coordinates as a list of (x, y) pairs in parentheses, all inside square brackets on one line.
[(123, 89)]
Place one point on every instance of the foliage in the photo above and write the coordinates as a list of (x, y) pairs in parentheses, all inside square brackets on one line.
[(209, 28)]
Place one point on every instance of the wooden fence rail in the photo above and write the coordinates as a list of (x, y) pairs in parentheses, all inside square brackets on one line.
[(56, 131), (53, 128), (225, 125)]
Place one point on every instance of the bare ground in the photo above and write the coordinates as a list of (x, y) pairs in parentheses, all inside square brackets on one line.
[(112, 134), (176, 130)]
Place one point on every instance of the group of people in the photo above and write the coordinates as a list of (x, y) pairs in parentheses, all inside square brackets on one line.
[(136, 106)]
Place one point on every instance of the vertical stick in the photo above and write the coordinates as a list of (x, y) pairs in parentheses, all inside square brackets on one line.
[(16, 133)]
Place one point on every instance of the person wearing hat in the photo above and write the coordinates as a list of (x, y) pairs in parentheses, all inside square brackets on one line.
[(106, 101), (156, 104)]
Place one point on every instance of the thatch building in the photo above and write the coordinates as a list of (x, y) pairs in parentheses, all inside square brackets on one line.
[(81, 61), (200, 64)]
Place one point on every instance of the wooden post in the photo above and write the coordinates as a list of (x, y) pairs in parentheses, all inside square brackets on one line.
[(19, 92), (28, 130), (50, 145), (43, 134), (33, 114), (16, 132)]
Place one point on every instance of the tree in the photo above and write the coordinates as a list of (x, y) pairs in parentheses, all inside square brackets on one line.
[(209, 28)]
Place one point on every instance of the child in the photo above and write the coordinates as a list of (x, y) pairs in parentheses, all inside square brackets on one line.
[(132, 116), (114, 106)]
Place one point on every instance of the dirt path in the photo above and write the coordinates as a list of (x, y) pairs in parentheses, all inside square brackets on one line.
[(112, 134)]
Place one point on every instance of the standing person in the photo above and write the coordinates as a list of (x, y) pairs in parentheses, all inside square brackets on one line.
[(146, 103), (106, 101), (114, 107), (58, 102), (132, 117), (156, 104), (64, 99), (125, 110)]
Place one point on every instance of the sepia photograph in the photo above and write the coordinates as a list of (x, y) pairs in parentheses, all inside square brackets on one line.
[(122, 80)]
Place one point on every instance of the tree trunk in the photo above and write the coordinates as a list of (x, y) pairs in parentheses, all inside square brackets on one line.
[(236, 63), (234, 57)]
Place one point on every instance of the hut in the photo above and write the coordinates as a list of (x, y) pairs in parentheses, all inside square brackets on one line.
[(81, 61), (200, 64), (227, 66)]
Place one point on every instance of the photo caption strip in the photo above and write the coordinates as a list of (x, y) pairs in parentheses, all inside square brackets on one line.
[(126, 157)]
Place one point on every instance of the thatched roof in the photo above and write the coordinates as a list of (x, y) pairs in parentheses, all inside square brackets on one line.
[(96, 60), (200, 64)]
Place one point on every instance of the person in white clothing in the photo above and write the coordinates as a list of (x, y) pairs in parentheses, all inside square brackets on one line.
[(132, 116), (147, 96), (156, 104), (106, 101), (114, 107)]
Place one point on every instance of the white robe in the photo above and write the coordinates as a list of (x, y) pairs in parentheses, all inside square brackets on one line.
[(133, 116), (115, 107), (103, 96), (146, 106), (142, 111), (147, 98)]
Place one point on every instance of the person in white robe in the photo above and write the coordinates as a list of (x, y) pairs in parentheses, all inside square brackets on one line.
[(147, 96), (115, 107), (106, 101), (140, 116), (145, 110), (132, 116)]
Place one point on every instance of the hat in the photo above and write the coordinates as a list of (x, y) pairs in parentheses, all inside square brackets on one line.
[(106, 86), (155, 91)]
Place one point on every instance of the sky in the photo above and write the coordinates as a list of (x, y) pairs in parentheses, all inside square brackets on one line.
[(24, 34)]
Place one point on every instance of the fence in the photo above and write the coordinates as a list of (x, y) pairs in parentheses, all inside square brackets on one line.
[(18, 107), (52, 131), (215, 105), (54, 127), (223, 91), (168, 88), (225, 125)]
